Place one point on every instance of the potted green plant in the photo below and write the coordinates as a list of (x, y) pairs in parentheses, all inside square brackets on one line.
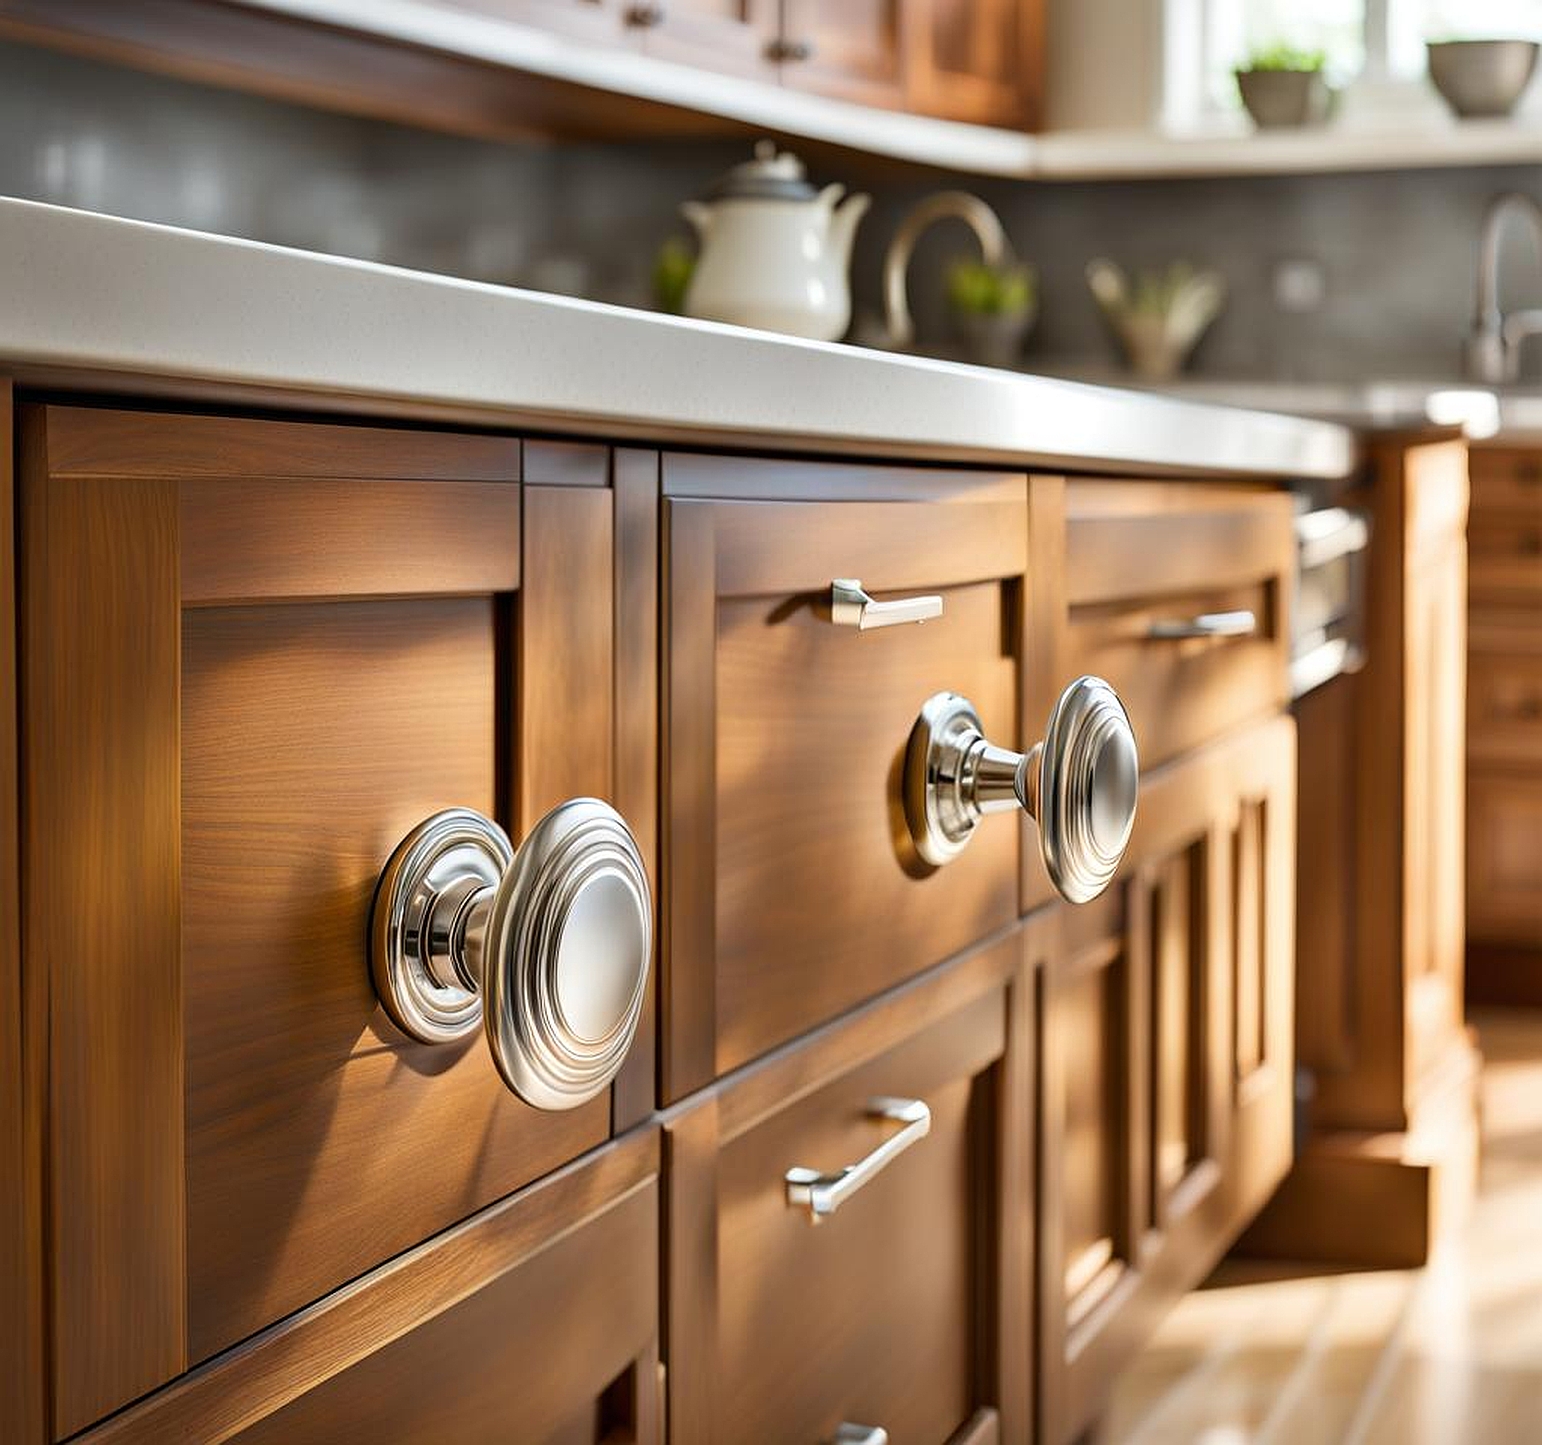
[(672, 270), (993, 308), (1282, 85)]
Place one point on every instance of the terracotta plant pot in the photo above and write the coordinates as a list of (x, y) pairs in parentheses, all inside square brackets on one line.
[(1280, 98)]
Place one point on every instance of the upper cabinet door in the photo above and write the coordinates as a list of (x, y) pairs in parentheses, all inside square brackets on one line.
[(977, 60), (793, 889), (256, 654), (737, 36), (853, 51)]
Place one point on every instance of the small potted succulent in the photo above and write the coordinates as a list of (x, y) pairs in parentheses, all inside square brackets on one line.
[(993, 308), (672, 270), (1283, 86), (1158, 315)]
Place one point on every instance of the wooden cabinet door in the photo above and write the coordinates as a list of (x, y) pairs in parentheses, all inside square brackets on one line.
[(255, 654), (1165, 1018), (793, 891), (736, 36), (905, 1309), (852, 51), (977, 60), (535, 1321)]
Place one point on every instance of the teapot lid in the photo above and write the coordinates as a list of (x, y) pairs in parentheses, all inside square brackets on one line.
[(772, 176)]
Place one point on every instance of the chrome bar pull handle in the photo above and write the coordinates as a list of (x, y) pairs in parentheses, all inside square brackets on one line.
[(850, 606), (1242, 623), (822, 1194), (849, 1434)]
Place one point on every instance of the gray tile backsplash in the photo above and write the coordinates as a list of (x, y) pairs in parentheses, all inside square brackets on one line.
[(1395, 250)]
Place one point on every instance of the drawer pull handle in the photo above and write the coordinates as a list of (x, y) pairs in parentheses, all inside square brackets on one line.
[(849, 1434), (823, 1194), (1080, 783), (546, 948), (1242, 623), (850, 606)]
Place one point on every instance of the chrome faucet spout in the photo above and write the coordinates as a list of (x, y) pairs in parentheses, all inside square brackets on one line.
[(1492, 350), (984, 222)]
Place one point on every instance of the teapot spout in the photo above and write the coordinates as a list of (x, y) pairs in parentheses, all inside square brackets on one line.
[(843, 223), (699, 215)]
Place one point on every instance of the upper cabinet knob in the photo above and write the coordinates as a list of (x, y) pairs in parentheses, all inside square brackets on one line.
[(547, 948), (1080, 783)]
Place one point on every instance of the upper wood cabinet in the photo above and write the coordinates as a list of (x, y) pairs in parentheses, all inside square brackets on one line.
[(255, 654), (977, 60), (854, 51), (969, 60)]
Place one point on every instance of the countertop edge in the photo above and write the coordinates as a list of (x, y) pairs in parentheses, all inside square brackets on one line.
[(92, 294)]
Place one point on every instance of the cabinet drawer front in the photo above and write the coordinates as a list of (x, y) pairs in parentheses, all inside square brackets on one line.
[(1504, 707), (882, 1311), (1504, 858), (322, 636), (536, 1321), (1504, 480), (793, 890), (1148, 574), (1504, 558)]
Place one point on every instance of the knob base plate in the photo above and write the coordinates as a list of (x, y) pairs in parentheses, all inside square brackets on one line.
[(442, 850)]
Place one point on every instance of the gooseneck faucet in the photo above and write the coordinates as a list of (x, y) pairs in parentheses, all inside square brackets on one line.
[(984, 222), (1492, 353)]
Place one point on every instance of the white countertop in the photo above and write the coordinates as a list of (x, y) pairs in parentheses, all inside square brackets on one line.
[(125, 307)]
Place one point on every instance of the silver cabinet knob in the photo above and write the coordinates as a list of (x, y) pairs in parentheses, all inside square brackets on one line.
[(1080, 783), (849, 1434), (546, 948)]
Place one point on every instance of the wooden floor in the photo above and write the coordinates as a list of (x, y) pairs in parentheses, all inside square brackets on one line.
[(1448, 1355)]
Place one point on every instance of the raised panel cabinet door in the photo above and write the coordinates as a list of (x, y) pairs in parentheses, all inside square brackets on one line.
[(1164, 1047), (977, 60), (852, 51), (792, 888), (535, 1321), (1504, 824), (257, 653), (892, 1296)]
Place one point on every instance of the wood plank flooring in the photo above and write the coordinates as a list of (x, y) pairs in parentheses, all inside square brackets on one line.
[(1448, 1355)]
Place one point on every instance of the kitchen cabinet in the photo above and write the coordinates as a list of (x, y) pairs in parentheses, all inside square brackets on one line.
[(977, 60), (784, 732), (903, 1146), (1504, 721), (854, 51), (1389, 1156), (256, 653), (536, 1320), (905, 1307), (969, 60), (1166, 1062)]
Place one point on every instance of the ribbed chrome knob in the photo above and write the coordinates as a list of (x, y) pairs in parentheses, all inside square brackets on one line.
[(547, 948), (1080, 784)]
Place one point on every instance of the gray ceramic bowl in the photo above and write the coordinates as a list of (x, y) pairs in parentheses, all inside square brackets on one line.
[(1280, 98), (1482, 77)]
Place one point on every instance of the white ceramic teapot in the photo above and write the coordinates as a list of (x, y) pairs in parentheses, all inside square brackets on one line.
[(774, 251)]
